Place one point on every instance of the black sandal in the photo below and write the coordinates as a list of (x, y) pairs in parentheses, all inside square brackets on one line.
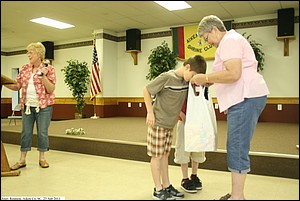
[(225, 197)]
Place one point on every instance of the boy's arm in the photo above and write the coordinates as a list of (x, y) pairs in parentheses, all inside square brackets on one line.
[(148, 102), (182, 116), (183, 111)]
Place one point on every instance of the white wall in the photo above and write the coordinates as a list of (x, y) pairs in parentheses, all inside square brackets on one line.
[(109, 69), (132, 78), (121, 78), (280, 72)]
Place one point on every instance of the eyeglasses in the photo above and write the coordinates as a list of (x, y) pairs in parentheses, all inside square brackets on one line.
[(205, 40)]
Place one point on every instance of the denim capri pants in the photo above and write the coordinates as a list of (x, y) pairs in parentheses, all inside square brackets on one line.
[(42, 120), (242, 119)]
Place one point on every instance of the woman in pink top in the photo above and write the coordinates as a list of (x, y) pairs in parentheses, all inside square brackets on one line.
[(37, 83), (241, 93)]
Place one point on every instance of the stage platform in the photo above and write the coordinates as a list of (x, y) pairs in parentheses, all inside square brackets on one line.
[(273, 148)]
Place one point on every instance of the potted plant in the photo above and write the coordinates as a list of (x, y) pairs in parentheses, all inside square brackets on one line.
[(259, 54), (161, 59), (77, 78)]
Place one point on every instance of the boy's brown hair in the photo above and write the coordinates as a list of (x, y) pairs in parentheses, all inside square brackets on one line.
[(197, 64)]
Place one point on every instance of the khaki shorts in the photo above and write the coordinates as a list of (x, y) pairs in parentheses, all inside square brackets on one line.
[(159, 141), (181, 156)]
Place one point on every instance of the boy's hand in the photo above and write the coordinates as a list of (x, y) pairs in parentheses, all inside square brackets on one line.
[(198, 79), (208, 84), (150, 120)]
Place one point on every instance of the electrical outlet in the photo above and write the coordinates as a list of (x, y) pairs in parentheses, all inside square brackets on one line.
[(216, 106), (129, 104), (279, 107)]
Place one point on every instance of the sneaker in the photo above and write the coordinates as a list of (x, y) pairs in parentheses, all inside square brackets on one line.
[(188, 186), (174, 192), (197, 182), (162, 195)]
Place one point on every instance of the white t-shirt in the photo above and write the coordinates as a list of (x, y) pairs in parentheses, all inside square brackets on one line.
[(31, 93)]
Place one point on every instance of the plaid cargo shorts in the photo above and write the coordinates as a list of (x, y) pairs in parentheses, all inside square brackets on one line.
[(159, 141)]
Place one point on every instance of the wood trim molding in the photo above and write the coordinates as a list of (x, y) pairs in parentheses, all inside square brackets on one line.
[(282, 100), (117, 100), (133, 100), (5, 100), (276, 100)]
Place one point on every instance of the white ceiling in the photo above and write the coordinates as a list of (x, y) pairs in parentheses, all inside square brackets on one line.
[(117, 16)]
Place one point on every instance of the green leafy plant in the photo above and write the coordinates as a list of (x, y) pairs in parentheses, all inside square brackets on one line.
[(161, 59), (77, 78), (259, 54)]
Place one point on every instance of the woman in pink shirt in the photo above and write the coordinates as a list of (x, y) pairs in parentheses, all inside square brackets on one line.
[(37, 83), (241, 93)]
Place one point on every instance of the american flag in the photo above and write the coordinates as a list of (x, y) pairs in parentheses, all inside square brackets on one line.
[(95, 81)]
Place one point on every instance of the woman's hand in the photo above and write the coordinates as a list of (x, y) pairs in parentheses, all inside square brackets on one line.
[(44, 71), (198, 79), (14, 87)]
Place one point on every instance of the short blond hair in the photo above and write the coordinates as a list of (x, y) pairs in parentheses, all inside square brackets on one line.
[(39, 48)]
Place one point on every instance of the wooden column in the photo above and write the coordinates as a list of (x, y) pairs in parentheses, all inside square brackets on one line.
[(5, 168)]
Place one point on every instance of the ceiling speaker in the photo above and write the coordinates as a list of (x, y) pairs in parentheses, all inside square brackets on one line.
[(49, 49), (285, 19), (133, 39)]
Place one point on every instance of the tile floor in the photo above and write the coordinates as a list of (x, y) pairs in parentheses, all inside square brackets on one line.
[(74, 176)]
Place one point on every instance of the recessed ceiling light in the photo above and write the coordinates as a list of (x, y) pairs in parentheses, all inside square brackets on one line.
[(52, 23), (173, 5)]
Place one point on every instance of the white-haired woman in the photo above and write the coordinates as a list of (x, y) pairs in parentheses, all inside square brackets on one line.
[(241, 93)]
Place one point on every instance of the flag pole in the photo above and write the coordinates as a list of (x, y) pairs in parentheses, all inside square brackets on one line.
[(94, 40), (94, 101), (95, 115)]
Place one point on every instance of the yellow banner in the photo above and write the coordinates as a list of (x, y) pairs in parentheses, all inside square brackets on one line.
[(194, 45)]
